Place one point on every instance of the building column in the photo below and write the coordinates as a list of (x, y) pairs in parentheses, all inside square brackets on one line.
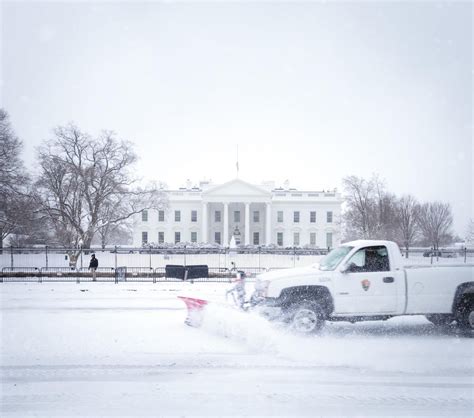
[(247, 223), (204, 222), (225, 241), (268, 222)]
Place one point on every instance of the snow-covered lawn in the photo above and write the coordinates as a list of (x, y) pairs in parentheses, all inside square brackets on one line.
[(99, 349)]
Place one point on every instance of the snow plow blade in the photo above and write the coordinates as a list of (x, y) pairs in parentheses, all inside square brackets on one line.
[(195, 310)]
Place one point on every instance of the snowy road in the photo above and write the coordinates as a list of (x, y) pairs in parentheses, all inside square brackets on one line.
[(122, 350)]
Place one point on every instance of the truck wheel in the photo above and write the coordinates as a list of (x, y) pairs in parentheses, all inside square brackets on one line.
[(465, 314), (440, 320), (306, 318)]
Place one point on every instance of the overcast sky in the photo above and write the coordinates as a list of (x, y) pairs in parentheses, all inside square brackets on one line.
[(311, 92)]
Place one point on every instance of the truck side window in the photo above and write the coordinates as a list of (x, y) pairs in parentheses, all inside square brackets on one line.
[(370, 259)]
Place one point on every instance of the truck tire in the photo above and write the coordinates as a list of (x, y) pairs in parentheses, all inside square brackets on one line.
[(440, 320), (306, 317), (465, 314)]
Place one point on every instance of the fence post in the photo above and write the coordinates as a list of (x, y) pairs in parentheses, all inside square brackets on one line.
[(294, 256), (465, 254), (184, 255), (150, 256), (115, 257), (11, 256), (46, 248), (259, 251)]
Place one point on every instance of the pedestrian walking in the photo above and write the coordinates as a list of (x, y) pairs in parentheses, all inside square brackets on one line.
[(93, 265)]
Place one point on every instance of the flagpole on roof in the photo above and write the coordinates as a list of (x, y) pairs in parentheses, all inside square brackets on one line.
[(237, 162)]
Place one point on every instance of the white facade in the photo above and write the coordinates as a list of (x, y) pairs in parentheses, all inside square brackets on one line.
[(255, 215)]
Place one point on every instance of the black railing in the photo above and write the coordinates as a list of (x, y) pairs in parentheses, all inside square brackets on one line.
[(121, 274)]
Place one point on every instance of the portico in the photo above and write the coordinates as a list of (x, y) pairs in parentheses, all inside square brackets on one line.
[(238, 209)]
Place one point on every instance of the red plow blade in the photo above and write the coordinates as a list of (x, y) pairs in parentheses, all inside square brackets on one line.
[(195, 310)]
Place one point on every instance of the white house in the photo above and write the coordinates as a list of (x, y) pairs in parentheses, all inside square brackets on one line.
[(258, 215)]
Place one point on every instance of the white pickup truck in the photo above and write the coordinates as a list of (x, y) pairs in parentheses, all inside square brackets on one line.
[(366, 280)]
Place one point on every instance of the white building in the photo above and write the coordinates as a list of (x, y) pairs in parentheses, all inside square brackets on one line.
[(256, 215)]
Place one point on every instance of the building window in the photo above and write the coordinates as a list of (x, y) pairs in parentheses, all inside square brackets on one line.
[(177, 237), (296, 239), (194, 216), (217, 238), (237, 216), (312, 216), (161, 237), (312, 238), (296, 216), (217, 216), (145, 216), (280, 216), (256, 216), (161, 216), (329, 240), (280, 239), (256, 238), (194, 236), (329, 217), (177, 216), (144, 238)]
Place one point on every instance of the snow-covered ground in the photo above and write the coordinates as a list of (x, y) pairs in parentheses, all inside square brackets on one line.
[(99, 349)]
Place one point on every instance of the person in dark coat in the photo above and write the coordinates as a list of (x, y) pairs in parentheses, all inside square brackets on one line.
[(93, 265)]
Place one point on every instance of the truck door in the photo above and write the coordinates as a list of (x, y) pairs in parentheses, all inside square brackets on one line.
[(367, 285)]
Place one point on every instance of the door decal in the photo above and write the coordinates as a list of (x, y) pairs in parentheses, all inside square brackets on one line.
[(365, 284)]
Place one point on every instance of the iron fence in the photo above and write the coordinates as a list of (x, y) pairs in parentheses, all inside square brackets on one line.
[(21, 274), (119, 274)]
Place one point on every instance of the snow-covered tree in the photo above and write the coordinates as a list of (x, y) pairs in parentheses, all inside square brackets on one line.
[(86, 184)]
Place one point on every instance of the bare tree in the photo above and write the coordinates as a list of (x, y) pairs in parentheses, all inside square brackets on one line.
[(14, 209), (113, 229), (386, 215), (370, 210), (407, 214), (435, 220), (82, 178), (358, 217)]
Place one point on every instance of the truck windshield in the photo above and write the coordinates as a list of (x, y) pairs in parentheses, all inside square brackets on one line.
[(334, 257)]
